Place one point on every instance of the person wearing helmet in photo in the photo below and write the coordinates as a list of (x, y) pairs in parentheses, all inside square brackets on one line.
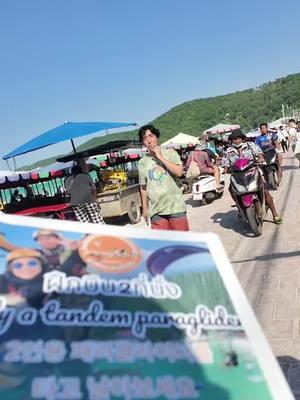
[(200, 156), (59, 253), (241, 149), (22, 281), (52, 247)]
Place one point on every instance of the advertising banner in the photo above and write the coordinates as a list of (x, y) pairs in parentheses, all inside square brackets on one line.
[(106, 312)]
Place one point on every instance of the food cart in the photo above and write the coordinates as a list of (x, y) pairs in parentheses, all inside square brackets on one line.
[(120, 202), (115, 176), (113, 167)]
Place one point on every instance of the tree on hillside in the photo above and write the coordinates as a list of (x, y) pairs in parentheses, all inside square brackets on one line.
[(248, 108)]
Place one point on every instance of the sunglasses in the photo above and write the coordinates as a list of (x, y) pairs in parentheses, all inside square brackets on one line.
[(31, 264)]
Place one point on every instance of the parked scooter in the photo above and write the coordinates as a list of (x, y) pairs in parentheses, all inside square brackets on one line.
[(271, 169), (204, 188), (248, 188)]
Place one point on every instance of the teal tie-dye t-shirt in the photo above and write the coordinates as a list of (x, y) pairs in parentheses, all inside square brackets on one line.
[(163, 189)]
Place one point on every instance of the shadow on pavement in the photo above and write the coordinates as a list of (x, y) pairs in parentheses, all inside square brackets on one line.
[(122, 220), (269, 257), (289, 167), (193, 203), (291, 368), (230, 221)]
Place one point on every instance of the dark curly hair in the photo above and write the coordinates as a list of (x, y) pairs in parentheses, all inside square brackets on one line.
[(149, 127)]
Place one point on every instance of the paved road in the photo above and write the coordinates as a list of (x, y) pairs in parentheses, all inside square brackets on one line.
[(268, 267)]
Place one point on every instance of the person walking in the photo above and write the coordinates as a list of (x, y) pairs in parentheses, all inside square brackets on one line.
[(82, 191), (297, 143), (161, 190), (292, 131), (282, 138)]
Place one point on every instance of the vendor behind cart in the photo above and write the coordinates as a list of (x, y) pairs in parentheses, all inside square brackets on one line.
[(83, 194)]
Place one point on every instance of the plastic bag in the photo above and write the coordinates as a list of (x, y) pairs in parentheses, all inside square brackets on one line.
[(193, 171)]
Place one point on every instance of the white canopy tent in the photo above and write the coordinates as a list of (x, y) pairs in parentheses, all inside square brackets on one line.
[(273, 124), (222, 128), (181, 138), (278, 122), (220, 131), (252, 134)]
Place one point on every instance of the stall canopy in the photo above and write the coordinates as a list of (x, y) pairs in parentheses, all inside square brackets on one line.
[(181, 138), (221, 131), (278, 122), (222, 128), (66, 131), (113, 146), (252, 134)]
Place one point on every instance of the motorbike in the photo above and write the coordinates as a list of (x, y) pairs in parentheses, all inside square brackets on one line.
[(247, 186), (271, 169), (204, 188)]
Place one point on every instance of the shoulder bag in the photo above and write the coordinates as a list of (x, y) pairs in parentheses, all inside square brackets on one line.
[(193, 170)]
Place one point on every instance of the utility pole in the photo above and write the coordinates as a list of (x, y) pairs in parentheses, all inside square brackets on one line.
[(282, 106)]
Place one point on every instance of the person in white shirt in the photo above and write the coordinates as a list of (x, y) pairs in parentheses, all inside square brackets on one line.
[(282, 139), (292, 131), (297, 143), (286, 135)]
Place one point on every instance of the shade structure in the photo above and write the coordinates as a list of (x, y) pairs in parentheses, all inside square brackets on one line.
[(66, 131), (181, 138), (222, 128)]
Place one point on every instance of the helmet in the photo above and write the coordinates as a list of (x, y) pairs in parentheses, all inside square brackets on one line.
[(45, 232), (236, 134), (201, 145), (22, 252)]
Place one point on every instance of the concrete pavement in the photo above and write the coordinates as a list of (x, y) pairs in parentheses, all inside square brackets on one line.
[(268, 267), (269, 270)]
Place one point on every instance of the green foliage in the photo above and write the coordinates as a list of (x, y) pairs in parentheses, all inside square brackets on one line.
[(247, 108)]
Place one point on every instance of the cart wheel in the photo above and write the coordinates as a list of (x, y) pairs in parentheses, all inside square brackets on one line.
[(134, 213)]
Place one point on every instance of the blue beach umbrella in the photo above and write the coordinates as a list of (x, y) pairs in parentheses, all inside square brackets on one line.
[(66, 131)]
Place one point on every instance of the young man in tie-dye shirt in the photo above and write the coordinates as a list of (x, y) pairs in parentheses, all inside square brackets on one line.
[(161, 192)]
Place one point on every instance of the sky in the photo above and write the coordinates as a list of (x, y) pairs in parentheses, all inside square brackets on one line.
[(132, 60)]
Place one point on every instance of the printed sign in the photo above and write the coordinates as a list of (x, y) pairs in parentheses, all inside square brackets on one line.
[(104, 312)]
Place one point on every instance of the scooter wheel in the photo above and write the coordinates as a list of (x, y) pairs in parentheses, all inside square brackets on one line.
[(209, 197), (253, 214), (272, 179)]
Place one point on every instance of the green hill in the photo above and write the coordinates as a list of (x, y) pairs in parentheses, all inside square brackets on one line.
[(248, 108)]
